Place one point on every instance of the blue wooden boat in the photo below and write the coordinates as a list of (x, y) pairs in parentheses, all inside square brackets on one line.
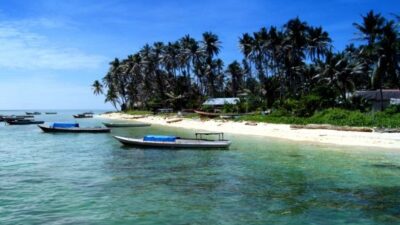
[(72, 128)]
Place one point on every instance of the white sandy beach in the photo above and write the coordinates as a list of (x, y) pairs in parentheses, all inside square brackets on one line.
[(347, 138)]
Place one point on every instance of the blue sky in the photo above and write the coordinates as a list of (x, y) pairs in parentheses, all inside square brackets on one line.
[(52, 50)]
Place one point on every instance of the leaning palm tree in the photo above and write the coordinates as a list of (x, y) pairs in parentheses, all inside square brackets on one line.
[(97, 87)]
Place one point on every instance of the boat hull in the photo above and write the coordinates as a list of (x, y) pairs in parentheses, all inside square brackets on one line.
[(48, 129), (127, 124), (19, 122), (179, 143), (82, 116)]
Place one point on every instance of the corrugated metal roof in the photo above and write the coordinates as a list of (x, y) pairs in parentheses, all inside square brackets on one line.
[(376, 95), (221, 101)]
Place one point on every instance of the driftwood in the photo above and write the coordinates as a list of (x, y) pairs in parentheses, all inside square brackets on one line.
[(251, 124), (174, 120), (331, 127), (387, 130)]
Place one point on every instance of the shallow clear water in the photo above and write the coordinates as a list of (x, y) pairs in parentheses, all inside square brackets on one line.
[(91, 179)]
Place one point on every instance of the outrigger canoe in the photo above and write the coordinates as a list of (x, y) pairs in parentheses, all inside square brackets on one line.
[(159, 141), (127, 124), (72, 128)]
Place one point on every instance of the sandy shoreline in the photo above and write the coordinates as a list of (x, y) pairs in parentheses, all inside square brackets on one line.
[(345, 138)]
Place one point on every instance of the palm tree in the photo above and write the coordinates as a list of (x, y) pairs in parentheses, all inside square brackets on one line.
[(97, 87), (211, 47), (371, 27), (112, 97), (338, 72), (319, 43), (378, 75), (236, 73)]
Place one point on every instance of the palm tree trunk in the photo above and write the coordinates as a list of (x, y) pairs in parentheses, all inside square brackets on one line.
[(381, 93)]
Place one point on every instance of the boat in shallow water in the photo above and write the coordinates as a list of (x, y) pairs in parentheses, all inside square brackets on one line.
[(160, 141), (126, 124), (23, 122), (50, 113), (83, 115), (72, 128)]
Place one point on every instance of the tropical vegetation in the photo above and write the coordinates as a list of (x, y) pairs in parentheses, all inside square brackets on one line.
[(294, 69)]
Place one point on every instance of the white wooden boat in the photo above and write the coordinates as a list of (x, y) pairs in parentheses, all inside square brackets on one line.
[(158, 141)]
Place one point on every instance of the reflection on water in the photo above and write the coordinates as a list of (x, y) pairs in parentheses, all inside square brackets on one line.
[(92, 179)]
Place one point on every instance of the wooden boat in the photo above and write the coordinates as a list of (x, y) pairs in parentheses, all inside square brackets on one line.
[(207, 114), (13, 117), (83, 115), (23, 122), (127, 124), (72, 128), (175, 142)]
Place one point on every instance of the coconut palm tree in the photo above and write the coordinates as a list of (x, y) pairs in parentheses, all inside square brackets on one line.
[(97, 88), (236, 72), (371, 27), (211, 47), (338, 72), (319, 43)]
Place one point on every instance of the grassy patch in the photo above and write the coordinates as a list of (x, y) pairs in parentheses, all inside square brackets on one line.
[(138, 112), (339, 117)]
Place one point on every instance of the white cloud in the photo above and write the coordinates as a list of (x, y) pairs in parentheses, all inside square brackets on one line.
[(20, 48)]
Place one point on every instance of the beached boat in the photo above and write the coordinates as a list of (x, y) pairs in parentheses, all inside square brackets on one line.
[(160, 141), (72, 128), (126, 124), (83, 115), (23, 122)]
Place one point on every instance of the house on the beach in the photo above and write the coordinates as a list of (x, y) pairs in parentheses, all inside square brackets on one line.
[(389, 96)]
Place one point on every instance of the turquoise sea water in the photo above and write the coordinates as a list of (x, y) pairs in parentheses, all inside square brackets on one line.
[(92, 179)]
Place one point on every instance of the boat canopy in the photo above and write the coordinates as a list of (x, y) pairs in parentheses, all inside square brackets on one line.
[(159, 138), (65, 125)]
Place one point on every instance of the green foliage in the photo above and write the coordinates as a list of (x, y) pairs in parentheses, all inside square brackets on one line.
[(304, 107), (230, 108), (334, 116), (392, 110), (138, 112)]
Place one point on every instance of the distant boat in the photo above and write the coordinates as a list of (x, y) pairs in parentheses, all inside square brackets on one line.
[(32, 113), (83, 115), (160, 141), (50, 113), (72, 128), (23, 122), (127, 124), (13, 117)]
